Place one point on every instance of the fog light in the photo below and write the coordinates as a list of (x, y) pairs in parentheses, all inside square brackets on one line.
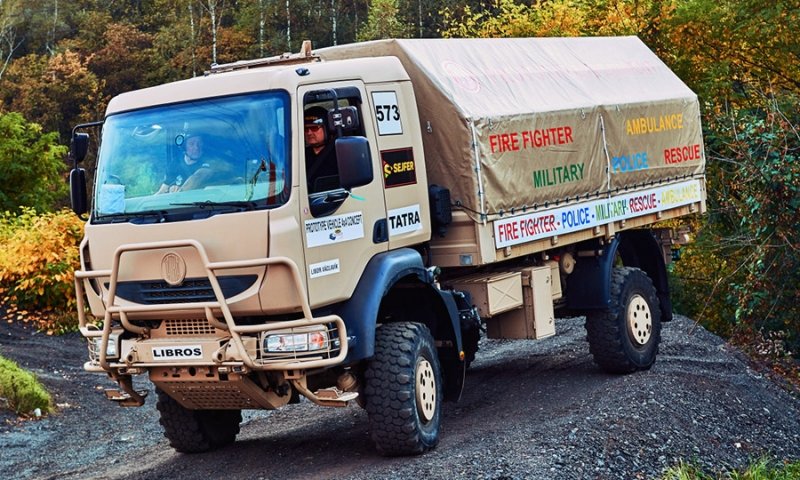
[(111, 349), (296, 342)]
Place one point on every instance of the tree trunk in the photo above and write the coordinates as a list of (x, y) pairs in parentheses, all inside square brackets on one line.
[(212, 11), (51, 41), (419, 11), (8, 33), (194, 43), (261, 24), (211, 7), (288, 28), (333, 20)]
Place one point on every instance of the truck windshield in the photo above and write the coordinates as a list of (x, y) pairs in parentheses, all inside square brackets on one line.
[(201, 157)]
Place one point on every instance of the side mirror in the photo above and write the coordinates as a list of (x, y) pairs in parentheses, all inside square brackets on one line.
[(78, 147), (354, 160), (77, 190)]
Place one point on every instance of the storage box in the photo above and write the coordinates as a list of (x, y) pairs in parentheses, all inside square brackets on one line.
[(555, 280), (535, 318), (494, 293)]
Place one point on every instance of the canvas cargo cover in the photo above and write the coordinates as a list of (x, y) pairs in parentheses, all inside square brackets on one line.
[(514, 124)]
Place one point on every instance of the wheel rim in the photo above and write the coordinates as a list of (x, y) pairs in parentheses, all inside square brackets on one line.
[(426, 390), (640, 322)]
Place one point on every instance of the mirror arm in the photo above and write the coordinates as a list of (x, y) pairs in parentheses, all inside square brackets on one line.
[(337, 115), (81, 126)]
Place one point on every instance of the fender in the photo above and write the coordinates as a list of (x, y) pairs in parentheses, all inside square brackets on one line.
[(637, 248), (641, 249), (383, 271)]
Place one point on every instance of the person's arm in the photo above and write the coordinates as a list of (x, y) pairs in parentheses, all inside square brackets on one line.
[(198, 179)]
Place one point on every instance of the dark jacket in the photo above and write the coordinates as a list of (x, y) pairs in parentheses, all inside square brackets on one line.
[(322, 170)]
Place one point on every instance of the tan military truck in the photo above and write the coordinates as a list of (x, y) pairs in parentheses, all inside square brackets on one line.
[(468, 184)]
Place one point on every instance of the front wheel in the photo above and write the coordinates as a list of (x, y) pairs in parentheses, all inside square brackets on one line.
[(194, 431), (625, 337), (404, 390)]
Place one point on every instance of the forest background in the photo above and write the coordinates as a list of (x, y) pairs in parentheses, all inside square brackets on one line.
[(62, 61)]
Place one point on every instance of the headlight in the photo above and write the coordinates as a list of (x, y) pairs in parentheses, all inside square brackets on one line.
[(296, 341), (111, 350)]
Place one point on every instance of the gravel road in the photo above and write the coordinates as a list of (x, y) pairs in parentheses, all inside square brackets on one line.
[(533, 410)]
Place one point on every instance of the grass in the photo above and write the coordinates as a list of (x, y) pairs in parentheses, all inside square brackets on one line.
[(761, 469), (21, 389)]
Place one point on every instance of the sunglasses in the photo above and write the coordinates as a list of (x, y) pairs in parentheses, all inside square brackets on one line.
[(313, 128)]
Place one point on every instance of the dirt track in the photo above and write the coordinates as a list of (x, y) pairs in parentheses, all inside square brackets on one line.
[(530, 410)]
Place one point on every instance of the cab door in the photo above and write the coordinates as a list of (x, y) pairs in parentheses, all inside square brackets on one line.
[(343, 234), (399, 138)]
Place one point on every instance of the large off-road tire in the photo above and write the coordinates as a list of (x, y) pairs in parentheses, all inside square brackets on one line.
[(194, 431), (404, 390), (625, 337)]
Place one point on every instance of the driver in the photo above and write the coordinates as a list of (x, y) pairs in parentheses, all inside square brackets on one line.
[(192, 171), (321, 162)]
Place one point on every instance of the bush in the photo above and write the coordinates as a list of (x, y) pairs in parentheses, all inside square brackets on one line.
[(22, 390), (699, 283), (37, 267), (31, 165), (743, 274)]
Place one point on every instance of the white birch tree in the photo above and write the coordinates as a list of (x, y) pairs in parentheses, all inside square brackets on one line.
[(193, 33), (288, 27), (214, 7), (9, 41), (333, 21)]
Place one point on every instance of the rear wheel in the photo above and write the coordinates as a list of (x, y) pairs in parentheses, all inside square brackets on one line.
[(194, 431), (625, 337), (404, 390)]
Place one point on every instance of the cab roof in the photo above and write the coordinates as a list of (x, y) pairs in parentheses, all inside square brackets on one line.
[(271, 77)]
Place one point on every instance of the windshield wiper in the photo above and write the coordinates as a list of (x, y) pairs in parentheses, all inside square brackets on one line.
[(160, 216), (246, 205)]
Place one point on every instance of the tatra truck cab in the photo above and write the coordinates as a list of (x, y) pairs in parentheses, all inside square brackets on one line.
[(342, 224)]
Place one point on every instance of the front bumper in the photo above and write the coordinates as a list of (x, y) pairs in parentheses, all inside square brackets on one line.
[(208, 326)]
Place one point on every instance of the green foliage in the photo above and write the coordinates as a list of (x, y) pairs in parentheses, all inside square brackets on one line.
[(31, 165), (699, 281), (743, 273), (22, 390), (505, 18), (383, 22), (726, 48), (555, 18), (761, 469), (37, 263), (686, 471)]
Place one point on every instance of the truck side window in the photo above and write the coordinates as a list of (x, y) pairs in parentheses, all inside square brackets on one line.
[(322, 170), (325, 192)]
